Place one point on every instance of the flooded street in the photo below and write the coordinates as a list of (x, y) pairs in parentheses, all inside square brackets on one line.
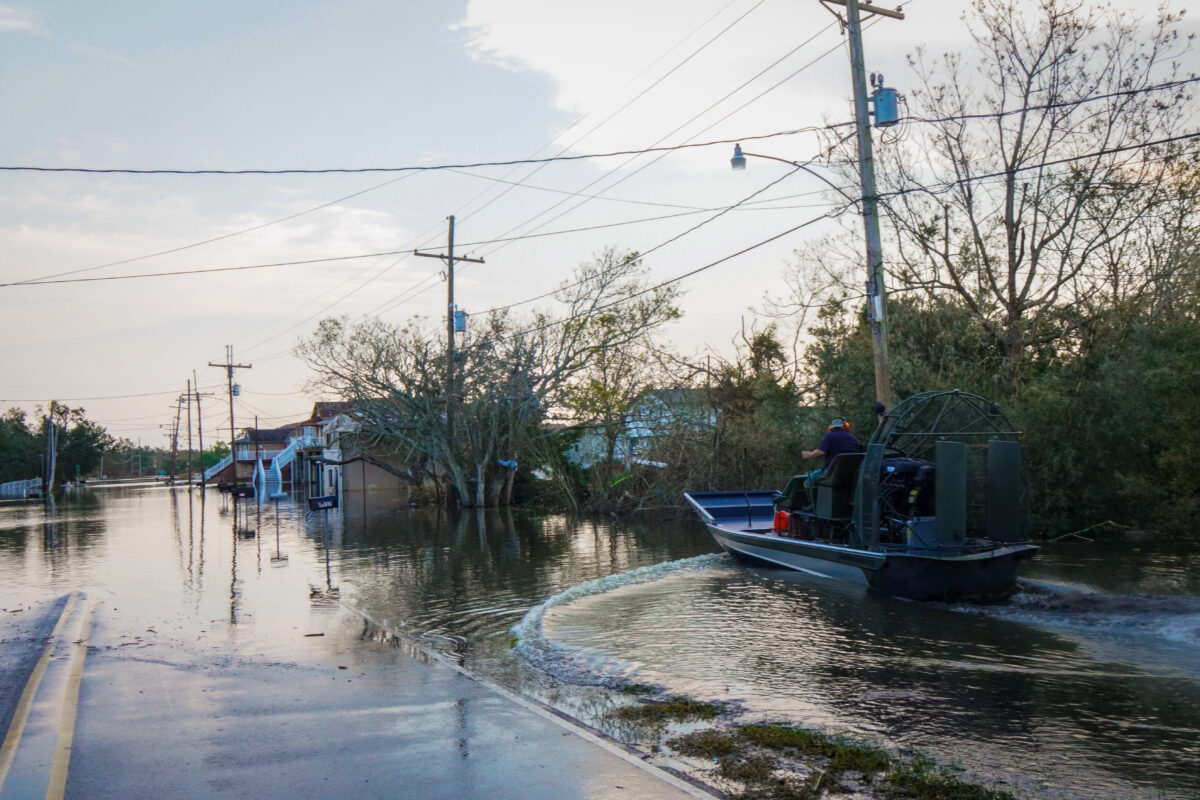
[(1087, 684)]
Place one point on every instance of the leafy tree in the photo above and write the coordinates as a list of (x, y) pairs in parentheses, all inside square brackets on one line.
[(79, 442), (605, 392), (511, 375), (20, 447), (1036, 179), (1059, 84)]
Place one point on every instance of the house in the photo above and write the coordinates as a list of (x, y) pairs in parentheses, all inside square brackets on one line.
[(259, 444), (654, 414), (336, 462), (318, 456), (312, 441)]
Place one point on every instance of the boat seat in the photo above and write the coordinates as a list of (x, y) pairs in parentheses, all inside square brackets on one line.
[(834, 489), (794, 496)]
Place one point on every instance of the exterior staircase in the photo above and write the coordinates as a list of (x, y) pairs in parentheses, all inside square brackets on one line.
[(268, 481), (212, 471)]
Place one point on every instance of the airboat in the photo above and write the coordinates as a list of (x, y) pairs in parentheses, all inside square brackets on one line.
[(934, 509)]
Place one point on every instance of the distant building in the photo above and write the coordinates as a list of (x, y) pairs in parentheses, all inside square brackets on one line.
[(654, 414)]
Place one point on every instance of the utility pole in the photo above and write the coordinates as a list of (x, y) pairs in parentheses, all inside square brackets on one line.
[(48, 460), (449, 259), (189, 455), (199, 430), (175, 440), (876, 293), (229, 367)]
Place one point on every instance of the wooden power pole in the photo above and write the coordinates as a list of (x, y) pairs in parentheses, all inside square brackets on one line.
[(876, 293), (449, 259), (229, 367), (199, 430), (175, 438), (189, 423)]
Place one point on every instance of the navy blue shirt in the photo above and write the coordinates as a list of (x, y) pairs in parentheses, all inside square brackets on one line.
[(838, 441)]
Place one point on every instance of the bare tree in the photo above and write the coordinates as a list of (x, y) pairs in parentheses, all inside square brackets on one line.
[(513, 374), (1040, 174)]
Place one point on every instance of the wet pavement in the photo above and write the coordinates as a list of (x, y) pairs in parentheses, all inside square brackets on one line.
[(171, 710)]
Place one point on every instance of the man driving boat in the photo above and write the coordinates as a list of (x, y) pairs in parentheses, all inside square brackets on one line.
[(836, 441)]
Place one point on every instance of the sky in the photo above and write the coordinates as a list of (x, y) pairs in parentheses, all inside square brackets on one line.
[(252, 85)]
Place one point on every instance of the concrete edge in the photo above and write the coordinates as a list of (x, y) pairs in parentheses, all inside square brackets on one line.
[(631, 755)]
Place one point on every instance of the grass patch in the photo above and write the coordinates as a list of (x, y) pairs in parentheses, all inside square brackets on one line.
[(780, 789), (745, 756), (638, 688), (918, 782), (657, 714), (705, 744), (757, 769), (842, 755)]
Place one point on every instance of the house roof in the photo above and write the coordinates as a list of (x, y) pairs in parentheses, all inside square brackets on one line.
[(265, 435), (325, 410)]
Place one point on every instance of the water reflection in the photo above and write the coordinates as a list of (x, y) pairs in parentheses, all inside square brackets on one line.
[(1000, 697), (1068, 686)]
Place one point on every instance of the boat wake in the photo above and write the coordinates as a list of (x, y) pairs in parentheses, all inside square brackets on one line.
[(574, 666), (1171, 618)]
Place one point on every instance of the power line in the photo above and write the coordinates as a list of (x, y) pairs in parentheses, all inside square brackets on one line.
[(924, 120), (104, 397), (1158, 87), (678, 128), (416, 290), (577, 140), (943, 187), (521, 184), (414, 169), (199, 270), (412, 293), (629, 102), (829, 215), (946, 186), (659, 246), (224, 236)]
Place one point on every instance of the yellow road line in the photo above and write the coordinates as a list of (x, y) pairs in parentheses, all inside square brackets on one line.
[(66, 729), (8, 750)]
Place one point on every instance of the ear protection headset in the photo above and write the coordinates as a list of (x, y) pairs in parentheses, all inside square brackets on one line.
[(845, 425)]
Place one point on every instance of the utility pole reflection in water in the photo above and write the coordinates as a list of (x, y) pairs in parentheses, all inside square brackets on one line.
[(329, 590), (279, 559), (233, 567)]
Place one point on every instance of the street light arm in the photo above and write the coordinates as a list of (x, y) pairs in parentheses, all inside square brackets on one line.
[(807, 169)]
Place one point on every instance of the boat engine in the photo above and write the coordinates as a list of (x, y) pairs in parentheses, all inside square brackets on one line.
[(906, 490)]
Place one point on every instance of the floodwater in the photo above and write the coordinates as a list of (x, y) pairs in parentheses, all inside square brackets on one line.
[(1085, 685)]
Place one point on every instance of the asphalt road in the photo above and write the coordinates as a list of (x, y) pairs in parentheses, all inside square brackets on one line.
[(98, 703)]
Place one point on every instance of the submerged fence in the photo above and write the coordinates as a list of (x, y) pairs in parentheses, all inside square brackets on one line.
[(20, 489)]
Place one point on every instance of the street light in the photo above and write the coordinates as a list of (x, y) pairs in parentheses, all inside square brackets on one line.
[(875, 289), (738, 163)]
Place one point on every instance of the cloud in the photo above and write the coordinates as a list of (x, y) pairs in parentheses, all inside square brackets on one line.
[(21, 19), (98, 52)]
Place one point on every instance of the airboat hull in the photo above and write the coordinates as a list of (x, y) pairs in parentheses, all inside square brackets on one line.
[(741, 523)]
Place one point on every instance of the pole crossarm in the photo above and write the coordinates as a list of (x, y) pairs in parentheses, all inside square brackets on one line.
[(445, 257), (870, 9), (229, 367)]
